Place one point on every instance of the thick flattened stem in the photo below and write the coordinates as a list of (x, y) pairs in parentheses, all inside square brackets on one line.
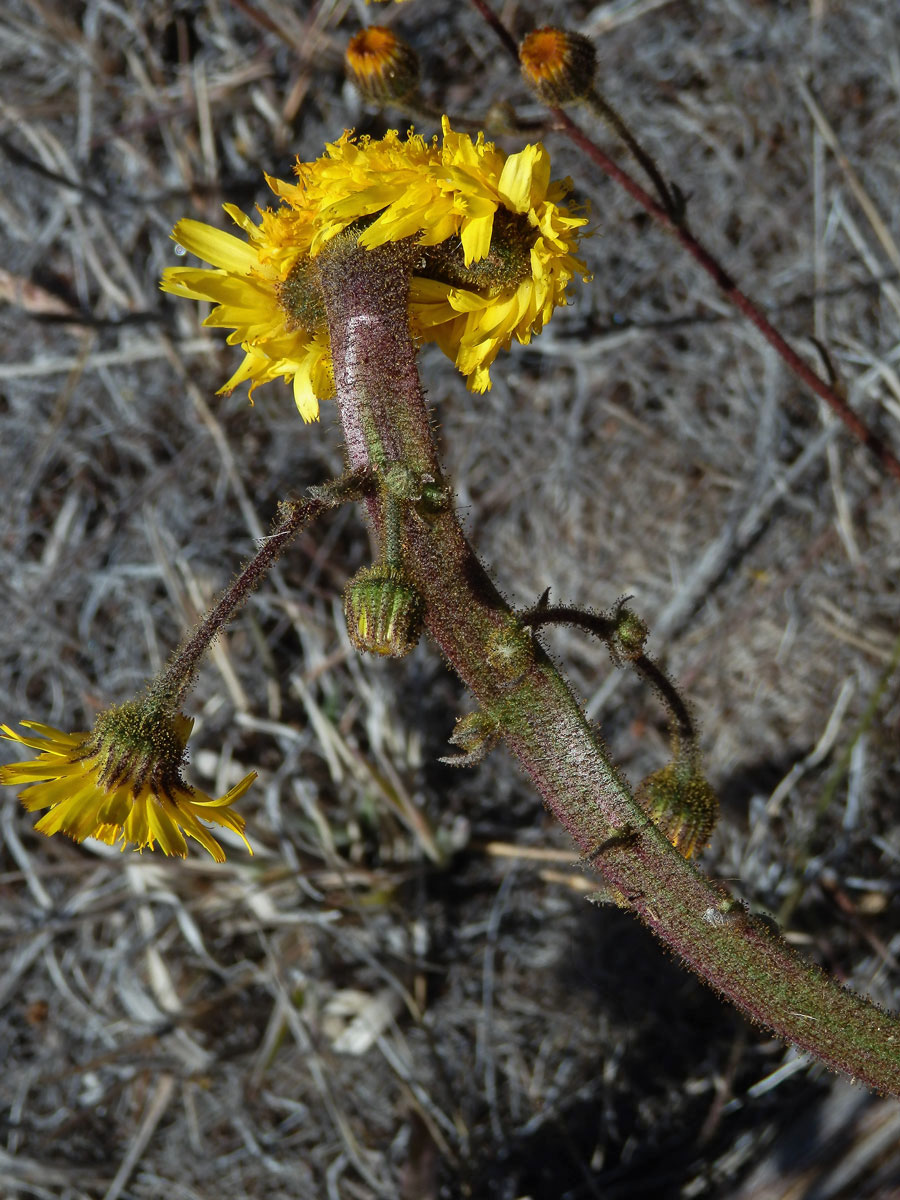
[(376, 379), (523, 697)]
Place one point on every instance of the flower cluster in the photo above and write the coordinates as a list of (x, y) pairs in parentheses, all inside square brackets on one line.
[(121, 783), (498, 246)]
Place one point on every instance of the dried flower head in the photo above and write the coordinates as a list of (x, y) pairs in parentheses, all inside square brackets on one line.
[(498, 250), (559, 65), (381, 65), (121, 782)]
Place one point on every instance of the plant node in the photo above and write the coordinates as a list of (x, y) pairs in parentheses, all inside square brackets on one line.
[(511, 650)]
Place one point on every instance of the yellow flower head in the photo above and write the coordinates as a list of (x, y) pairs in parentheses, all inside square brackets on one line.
[(498, 249), (121, 783)]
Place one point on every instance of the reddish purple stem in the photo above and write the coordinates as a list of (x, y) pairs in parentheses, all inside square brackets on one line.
[(710, 264)]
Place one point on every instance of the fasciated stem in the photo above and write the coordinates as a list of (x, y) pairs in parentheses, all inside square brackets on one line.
[(524, 697)]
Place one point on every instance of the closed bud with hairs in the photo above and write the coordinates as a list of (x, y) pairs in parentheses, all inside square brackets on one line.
[(476, 735), (383, 611), (681, 804), (630, 634), (559, 65)]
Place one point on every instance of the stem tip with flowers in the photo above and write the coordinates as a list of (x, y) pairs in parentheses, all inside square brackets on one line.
[(379, 246)]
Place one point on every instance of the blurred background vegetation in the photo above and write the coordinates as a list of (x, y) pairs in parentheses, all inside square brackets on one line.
[(404, 993)]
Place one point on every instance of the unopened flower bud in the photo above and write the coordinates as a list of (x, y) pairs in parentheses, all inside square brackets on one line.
[(630, 635), (383, 611), (681, 804), (558, 65), (382, 67)]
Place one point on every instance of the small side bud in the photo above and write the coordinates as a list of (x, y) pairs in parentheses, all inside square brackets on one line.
[(681, 804), (382, 67), (436, 497), (511, 650), (558, 65), (607, 896), (630, 633), (725, 913), (476, 735), (427, 492), (383, 611), (401, 481)]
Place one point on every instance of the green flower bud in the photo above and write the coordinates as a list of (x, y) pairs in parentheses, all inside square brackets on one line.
[(476, 735), (384, 612), (681, 804), (630, 634)]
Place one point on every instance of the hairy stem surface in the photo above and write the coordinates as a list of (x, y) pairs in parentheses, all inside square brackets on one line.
[(178, 676), (385, 420)]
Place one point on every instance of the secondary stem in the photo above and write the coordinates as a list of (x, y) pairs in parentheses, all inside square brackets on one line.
[(179, 674), (663, 214), (730, 289)]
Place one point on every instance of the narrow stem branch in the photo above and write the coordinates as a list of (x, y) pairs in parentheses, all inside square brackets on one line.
[(605, 111), (682, 731), (376, 382), (732, 292), (710, 264), (498, 27), (178, 676)]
